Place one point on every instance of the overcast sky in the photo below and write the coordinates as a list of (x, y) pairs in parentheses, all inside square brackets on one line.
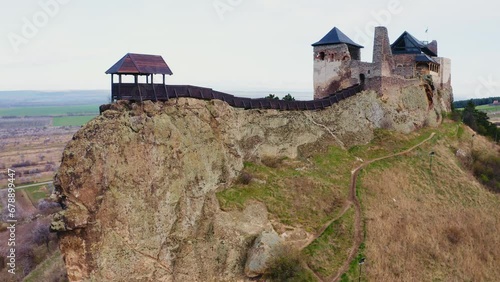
[(232, 45)]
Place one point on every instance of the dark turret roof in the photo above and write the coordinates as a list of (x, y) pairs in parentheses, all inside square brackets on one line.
[(408, 44), (335, 36)]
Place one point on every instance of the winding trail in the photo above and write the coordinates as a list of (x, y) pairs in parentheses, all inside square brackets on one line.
[(353, 200)]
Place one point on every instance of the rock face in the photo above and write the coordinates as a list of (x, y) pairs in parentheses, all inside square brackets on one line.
[(139, 181)]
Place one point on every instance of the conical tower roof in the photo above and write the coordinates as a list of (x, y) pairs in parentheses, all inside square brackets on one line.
[(335, 36)]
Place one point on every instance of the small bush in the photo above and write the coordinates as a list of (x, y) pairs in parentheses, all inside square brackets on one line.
[(286, 266), (272, 97), (245, 178), (23, 164), (386, 123), (454, 235), (485, 168), (455, 115), (288, 97), (26, 259), (272, 162), (44, 205)]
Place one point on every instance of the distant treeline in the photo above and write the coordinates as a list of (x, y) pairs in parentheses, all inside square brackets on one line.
[(477, 102)]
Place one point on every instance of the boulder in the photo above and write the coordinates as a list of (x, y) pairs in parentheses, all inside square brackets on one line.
[(264, 249)]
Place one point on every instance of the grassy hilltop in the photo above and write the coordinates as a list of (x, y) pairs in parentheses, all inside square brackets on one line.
[(422, 221)]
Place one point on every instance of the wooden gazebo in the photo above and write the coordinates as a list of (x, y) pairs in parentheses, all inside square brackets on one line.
[(139, 65)]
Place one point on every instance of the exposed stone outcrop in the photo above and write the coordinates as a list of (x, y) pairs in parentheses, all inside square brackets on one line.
[(263, 251), (139, 181)]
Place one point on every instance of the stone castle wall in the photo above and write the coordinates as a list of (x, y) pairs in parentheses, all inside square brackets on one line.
[(335, 68), (332, 70)]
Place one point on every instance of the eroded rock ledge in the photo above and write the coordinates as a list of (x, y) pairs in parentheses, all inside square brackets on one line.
[(139, 181)]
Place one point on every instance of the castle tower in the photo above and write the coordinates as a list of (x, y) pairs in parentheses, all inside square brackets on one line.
[(333, 55), (382, 53)]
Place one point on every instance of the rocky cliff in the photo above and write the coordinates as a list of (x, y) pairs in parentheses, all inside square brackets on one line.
[(139, 181)]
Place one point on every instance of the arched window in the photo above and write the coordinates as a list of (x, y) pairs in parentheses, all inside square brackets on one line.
[(322, 56)]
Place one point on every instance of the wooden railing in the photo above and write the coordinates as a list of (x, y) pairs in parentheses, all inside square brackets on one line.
[(160, 92)]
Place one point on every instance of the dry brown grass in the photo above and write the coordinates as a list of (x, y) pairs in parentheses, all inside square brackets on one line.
[(422, 226), (272, 162)]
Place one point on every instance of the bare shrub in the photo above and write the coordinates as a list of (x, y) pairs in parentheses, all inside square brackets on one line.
[(41, 235), (386, 123), (245, 178), (426, 123), (272, 162), (26, 259), (287, 266), (453, 234), (46, 205), (485, 168), (23, 164), (48, 167)]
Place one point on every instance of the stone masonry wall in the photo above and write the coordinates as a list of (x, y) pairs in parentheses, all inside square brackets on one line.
[(332, 70)]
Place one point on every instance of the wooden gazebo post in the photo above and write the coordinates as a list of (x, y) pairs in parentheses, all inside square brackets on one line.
[(165, 86), (136, 79), (153, 86), (119, 87), (112, 98)]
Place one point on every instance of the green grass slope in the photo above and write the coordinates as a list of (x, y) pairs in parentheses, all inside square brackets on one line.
[(421, 223)]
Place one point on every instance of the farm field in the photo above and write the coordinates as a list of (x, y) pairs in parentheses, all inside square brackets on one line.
[(489, 108), (71, 120), (32, 139), (34, 153), (31, 143), (50, 111), (493, 112)]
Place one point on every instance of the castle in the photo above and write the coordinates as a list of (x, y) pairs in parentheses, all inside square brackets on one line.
[(339, 74), (408, 61)]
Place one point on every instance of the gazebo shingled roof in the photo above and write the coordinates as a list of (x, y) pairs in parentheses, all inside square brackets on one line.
[(140, 64)]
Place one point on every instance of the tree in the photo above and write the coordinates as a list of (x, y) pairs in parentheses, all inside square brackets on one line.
[(48, 207), (288, 97), (26, 259), (272, 96), (468, 115), (41, 235), (479, 121)]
